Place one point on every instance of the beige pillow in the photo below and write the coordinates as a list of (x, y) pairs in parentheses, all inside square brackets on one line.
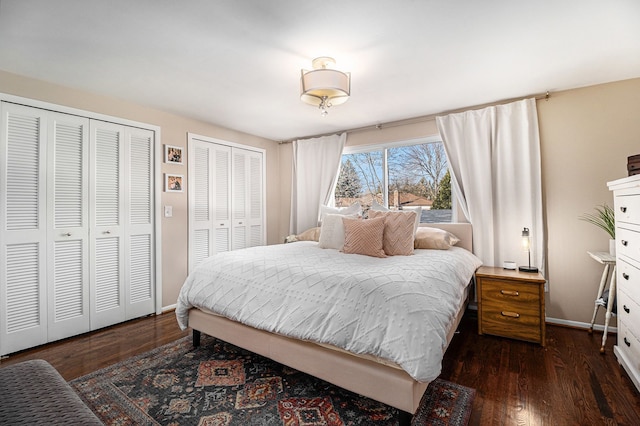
[(364, 236), (434, 238), (312, 234), (332, 232), (399, 230)]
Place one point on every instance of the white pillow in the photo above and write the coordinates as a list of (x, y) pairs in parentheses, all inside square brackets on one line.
[(375, 206), (332, 231), (354, 208)]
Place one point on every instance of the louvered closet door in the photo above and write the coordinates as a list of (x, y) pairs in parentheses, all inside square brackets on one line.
[(247, 209), (256, 199), (240, 202), (22, 228), (107, 188), (210, 206), (68, 225), (139, 223)]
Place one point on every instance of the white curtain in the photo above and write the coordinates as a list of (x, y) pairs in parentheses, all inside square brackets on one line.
[(494, 155), (316, 163)]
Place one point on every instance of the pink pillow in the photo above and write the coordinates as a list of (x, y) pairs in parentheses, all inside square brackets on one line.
[(399, 230), (363, 236)]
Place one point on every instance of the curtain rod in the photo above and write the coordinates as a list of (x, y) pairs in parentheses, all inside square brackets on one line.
[(422, 118)]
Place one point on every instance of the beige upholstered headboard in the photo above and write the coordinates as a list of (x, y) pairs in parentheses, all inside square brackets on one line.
[(463, 231)]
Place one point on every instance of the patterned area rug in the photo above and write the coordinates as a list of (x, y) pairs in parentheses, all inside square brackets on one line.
[(218, 384)]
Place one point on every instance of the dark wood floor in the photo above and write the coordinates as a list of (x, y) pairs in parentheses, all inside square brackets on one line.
[(568, 382)]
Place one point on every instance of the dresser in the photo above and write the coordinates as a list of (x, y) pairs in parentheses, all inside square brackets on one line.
[(626, 193), (511, 304)]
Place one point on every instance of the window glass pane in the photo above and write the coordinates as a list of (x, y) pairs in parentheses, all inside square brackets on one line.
[(419, 176), (361, 179)]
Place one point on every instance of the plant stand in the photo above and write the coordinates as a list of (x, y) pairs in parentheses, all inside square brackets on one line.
[(607, 260)]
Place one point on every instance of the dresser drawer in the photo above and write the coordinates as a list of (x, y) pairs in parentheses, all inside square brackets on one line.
[(627, 208), (628, 279), (630, 345), (629, 312), (628, 243)]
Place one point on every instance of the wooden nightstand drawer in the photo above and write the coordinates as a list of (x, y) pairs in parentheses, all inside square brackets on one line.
[(511, 304), (511, 323), (508, 293)]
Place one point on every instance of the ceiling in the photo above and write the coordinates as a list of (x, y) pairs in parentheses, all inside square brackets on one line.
[(237, 63)]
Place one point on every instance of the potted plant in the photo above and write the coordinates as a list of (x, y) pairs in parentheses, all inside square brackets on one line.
[(605, 219)]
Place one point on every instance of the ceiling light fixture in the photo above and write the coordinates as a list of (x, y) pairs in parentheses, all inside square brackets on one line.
[(324, 87)]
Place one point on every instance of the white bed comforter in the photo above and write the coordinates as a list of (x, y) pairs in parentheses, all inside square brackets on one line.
[(398, 308)]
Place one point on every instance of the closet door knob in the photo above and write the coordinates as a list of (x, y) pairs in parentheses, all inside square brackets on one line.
[(626, 308), (623, 209), (626, 342), (68, 234), (625, 276), (624, 242)]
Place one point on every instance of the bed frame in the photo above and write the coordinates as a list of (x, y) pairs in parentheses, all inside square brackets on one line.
[(381, 382)]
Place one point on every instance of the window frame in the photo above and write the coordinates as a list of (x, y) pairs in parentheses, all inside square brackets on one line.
[(384, 147)]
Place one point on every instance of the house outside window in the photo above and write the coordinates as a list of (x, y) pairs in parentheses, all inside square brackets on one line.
[(406, 174)]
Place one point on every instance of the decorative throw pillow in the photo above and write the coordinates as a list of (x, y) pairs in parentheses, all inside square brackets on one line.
[(332, 231), (375, 206), (434, 238), (399, 230), (312, 234), (354, 208), (364, 236)]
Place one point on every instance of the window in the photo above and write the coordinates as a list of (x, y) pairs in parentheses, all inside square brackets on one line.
[(407, 174)]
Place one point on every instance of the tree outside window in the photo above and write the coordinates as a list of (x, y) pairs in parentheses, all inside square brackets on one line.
[(415, 175)]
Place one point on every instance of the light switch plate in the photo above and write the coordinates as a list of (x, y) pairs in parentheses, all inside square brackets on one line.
[(168, 211)]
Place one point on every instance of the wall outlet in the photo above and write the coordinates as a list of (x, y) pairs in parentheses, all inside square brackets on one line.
[(168, 211)]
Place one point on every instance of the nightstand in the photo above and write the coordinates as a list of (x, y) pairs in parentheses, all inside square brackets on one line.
[(511, 304)]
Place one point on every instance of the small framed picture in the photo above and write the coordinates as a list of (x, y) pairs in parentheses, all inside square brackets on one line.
[(172, 154), (173, 183)]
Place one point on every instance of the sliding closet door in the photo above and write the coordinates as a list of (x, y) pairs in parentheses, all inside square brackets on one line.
[(139, 223), (67, 218), (23, 319), (107, 207)]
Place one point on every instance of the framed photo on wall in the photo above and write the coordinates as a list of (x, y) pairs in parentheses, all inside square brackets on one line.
[(172, 154), (173, 183)]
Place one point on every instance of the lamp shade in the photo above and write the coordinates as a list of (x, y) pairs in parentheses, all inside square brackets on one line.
[(323, 86), (331, 84)]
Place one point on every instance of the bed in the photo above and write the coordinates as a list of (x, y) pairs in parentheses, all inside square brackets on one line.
[(320, 330)]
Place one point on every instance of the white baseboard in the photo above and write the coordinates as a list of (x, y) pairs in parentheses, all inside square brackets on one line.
[(579, 324), (169, 308)]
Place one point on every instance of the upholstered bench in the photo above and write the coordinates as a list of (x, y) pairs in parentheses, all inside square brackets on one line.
[(34, 393)]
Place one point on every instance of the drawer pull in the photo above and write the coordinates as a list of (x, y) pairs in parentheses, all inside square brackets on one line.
[(510, 292), (624, 242), (625, 276), (626, 308), (623, 209), (626, 342), (510, 314)]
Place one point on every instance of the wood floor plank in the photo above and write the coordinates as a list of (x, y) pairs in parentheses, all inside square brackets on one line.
[(568, 382)]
